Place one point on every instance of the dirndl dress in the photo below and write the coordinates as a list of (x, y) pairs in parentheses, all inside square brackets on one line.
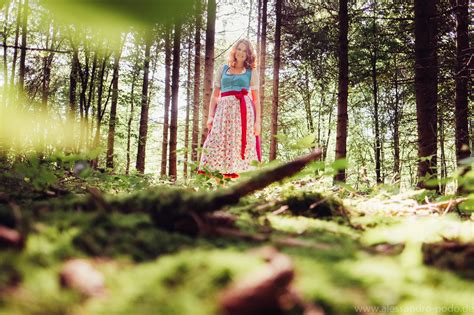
[(231, 145)]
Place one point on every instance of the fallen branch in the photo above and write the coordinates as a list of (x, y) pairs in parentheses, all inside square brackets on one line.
[(441, 207), (185, 210)]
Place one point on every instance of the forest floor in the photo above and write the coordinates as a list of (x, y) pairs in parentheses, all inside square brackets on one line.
[(381, 252)]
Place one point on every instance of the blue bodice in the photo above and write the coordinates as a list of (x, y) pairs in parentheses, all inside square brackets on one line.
[(235, 82)]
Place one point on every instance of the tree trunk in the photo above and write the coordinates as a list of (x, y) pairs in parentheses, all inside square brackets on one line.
[(91, 86), (443, 166), (188, 108), (276, 81), (142, 135), (396, 128), (426, 88), (259, 26), (197, 81), (84, 74), (130, 117), (15, 50), (47, 61), (113, 111), (208, 65), (24, 30), (263, 55), (250, 18), (100, 92), (307, 102), (73, 76), (164, 148), (375, 92), (462, 78), (343, 88), (174, 100), (5, 59)]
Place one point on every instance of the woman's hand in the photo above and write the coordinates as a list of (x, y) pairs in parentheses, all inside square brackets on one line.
[(209, 123), (257, 127)]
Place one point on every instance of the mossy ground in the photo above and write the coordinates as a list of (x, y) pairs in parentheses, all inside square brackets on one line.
[(150, 271)]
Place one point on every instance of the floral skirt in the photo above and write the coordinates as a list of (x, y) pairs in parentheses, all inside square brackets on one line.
[(222, 149)]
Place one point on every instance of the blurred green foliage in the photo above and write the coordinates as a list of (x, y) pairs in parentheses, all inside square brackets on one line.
[(113, 16)]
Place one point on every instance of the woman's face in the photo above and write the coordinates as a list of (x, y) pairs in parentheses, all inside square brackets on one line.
[(241, 52)]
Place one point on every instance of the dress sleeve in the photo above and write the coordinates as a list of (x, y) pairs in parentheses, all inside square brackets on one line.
[(254, 80), (218, 77)]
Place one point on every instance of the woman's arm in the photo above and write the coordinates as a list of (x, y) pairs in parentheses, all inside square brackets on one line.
[(212, 106), (258, 122)]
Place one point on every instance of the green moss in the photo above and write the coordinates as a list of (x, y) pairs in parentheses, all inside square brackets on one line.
[(183, 283)]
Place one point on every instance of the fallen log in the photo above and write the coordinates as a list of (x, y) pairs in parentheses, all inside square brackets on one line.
[(185, 210)]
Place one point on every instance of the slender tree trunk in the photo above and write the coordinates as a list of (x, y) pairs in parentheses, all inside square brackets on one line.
[(47, 61), (426, 88), (375, 93), (143, 131), (130, 117), (15, 50), (259, 26), (73, 76), (84, 74), (276, 81), (343, 88), (113, 111), (100, 92), (188, 109), (396, 127), (24, 30), (164, 149), (307, 102), (250, 18), (328, 137), (197, 81), (443, 166), (174, 100), (5, 59), (208, 65), (462, 78), (263, 56)]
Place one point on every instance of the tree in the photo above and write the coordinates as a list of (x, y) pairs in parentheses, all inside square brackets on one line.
[(426, 87), (164, 148), (143, 130), (24, 30), (343, 89), (461, 8), (174, 100), (276, 81), (5, 59), (15, 49), (263, 54), (208, 65), (188, 109), (197, 80), (136, 72), (101, 108), (113, 110)]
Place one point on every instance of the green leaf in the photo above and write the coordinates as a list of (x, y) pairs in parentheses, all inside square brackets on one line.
[(340, 164), (305, 142)]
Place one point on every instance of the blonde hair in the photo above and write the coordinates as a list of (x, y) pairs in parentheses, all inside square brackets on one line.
[(250, 62)]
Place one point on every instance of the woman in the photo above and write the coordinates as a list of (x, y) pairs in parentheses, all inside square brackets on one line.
[(234, 120)]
